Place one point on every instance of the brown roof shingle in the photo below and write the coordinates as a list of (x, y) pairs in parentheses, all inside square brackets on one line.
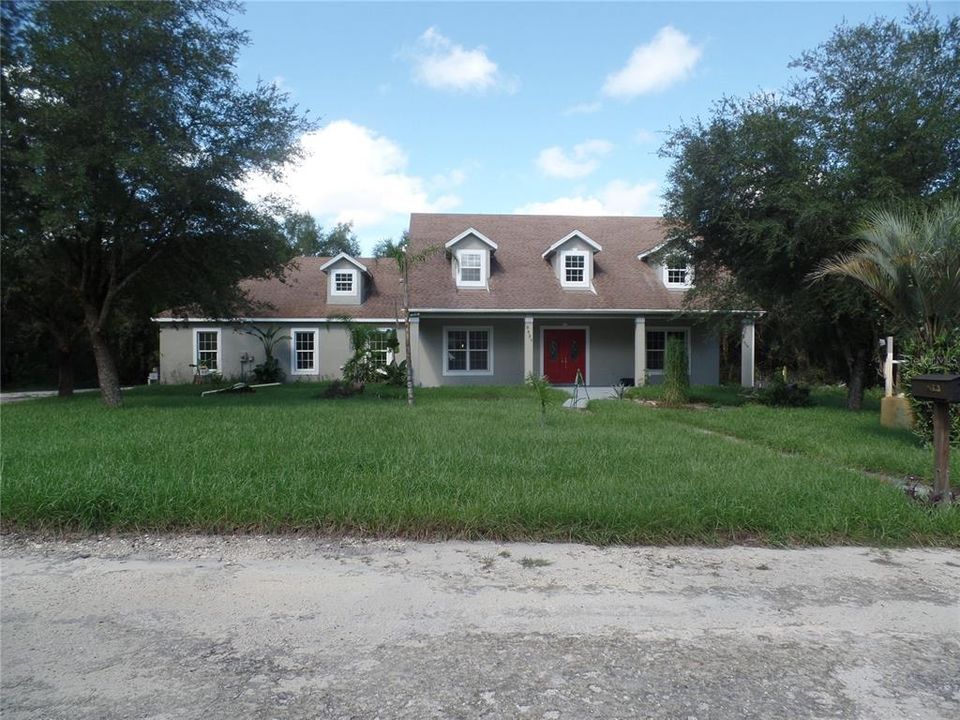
[(521, 279), (303, 294)]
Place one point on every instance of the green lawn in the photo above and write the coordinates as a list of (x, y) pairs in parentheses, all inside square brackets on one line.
[(471, 463)]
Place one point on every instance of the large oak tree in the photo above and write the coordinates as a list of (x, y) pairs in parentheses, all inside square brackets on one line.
[(768, 187), (131, 138)]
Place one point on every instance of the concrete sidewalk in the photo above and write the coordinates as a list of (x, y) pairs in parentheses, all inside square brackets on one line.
[(219, 627)]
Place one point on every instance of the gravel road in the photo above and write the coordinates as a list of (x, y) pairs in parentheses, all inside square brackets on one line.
[(254, 627)]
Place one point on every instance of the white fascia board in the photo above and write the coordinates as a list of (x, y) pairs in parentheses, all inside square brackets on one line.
[(657, 248), (274, 320), (477, 234), (566, 238), (349, 259), (585, 311)]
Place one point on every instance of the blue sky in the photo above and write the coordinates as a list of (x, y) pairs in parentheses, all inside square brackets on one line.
[(512, 107)]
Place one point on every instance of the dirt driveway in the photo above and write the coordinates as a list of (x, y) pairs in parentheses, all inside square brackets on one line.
[(214, 627)]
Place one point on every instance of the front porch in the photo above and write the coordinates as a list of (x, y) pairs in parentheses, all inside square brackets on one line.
[(503, 350)]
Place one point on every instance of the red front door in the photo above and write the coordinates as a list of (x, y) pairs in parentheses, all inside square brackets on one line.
[(564, 352)]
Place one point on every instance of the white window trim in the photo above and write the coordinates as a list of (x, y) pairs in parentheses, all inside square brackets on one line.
[(447, 329), (353, 282), (196, 347), (681, 286), (586, 268), (586, 339), (686, 334), (482, 283), (293, 351)]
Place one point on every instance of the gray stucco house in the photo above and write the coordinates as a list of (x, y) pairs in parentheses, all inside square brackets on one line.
[(501, 297)]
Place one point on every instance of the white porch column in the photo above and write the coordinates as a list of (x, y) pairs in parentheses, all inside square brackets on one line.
[(640, 351), (747, 353), (413, 327), (527, 347)]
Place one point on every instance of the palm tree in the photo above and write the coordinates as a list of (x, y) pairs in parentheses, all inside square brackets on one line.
[(400, 253), (909, 260)]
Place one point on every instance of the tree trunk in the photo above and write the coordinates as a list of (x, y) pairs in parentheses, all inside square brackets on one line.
[(64, 371), (406, 336), (857, 365), (106, 367)]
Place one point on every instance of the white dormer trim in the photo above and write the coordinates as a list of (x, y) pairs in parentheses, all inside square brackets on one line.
[(343, 256), (475, 233), (585, 270), (354, 284), (687, 270), (566, 238), (484, 269), (655, 249)]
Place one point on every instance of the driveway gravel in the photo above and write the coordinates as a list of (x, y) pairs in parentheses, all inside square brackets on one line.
[(263, 627)]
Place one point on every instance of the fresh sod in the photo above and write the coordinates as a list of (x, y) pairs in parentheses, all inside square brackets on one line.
[(471, 463)]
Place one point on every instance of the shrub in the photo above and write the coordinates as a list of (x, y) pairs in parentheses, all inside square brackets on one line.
[(268, 371), (780, 393), (676, 382), (943, 356), (541, 389)]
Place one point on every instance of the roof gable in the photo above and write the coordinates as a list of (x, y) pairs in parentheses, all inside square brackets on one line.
[(475, 233), (343, 256), (567, 238)]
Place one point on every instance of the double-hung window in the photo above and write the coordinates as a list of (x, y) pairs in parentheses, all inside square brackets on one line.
[(657, 347), (303, 355), (677, 272), (381, 346), (575, 268), (344, 282), (470, 268), (468, 351), (207, 346)]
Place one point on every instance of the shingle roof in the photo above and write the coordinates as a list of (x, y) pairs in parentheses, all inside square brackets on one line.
[(303, 294), (521, 279)]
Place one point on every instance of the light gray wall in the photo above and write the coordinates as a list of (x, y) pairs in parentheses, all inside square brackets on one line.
[(176, 350), (704, 349), (610, 343), (359, 289), (507, 342)]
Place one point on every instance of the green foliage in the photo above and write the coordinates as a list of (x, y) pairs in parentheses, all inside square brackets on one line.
[(541, 388), (909, 260), (676, 381), (306, 238), (363, 366), (922, 358), (768, 187), (777, 392), (269, 370), (130, 187)]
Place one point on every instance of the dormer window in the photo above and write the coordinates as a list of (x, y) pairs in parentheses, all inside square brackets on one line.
[(470, 268), (344, 282), (677, 272), (572, 260), (574, 268), (470, 254)]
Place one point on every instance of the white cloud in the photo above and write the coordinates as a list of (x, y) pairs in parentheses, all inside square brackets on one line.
[(584, 108), (441, 64), (644, 136), (555, 162), (669, 58), (615, 198), (351, 173)]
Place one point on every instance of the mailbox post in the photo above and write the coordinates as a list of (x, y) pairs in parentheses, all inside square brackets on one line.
[(942, 390)]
